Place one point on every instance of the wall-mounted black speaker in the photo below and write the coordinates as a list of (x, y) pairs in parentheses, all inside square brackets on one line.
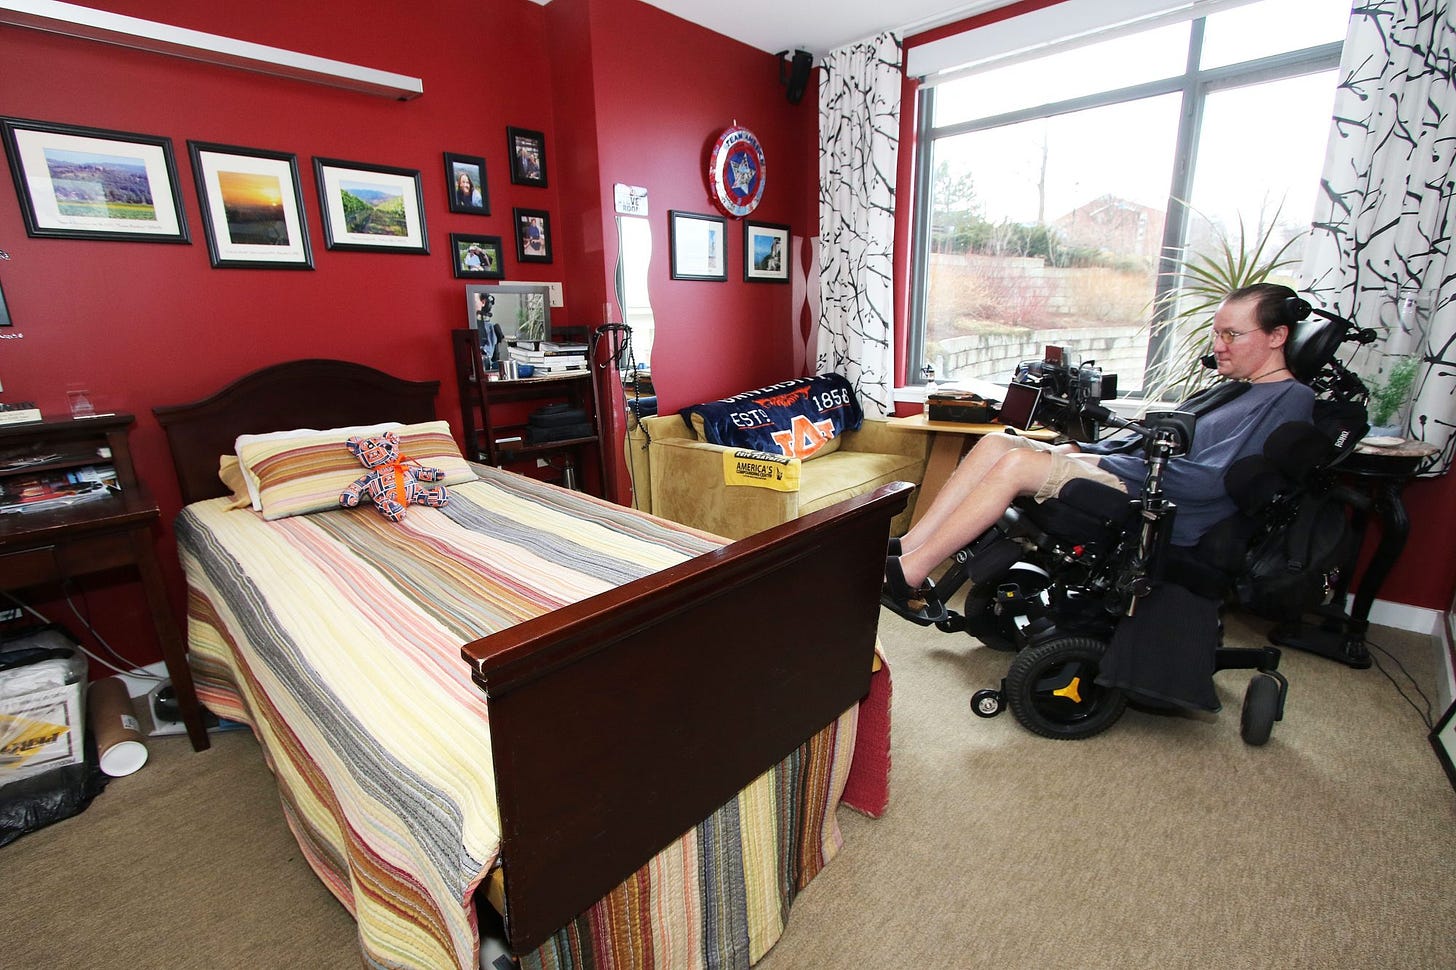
[(794, 75)]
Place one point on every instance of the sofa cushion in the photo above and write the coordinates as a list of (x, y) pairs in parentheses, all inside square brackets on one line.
[(845, 474), (802, 418)]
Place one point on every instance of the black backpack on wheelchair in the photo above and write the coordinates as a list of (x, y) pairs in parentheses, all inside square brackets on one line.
[(1099, 607)]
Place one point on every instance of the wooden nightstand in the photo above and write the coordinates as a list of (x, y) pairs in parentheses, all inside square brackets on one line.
[(49, 545)]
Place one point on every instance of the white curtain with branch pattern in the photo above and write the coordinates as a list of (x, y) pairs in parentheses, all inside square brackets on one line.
[(859, 133), (1384, 229)]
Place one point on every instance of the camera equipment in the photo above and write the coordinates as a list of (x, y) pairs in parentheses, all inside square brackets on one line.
[(1062, 396)]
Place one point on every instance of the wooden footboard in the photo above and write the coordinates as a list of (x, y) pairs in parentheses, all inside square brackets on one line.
[(660, 699)]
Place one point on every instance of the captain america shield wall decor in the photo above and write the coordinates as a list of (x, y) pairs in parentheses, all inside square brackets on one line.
[(736, 171)]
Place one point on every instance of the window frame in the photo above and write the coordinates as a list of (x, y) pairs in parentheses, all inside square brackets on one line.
[(1194, 85)]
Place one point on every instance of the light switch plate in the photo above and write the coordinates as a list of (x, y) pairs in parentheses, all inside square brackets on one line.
[(556, 297)]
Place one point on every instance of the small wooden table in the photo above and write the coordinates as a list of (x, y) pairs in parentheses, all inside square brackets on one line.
[(948, 443)]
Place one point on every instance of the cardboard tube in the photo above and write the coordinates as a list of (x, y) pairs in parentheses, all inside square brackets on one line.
[(118, 734)]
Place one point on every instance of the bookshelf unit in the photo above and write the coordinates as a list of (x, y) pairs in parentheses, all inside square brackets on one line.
[(493, 412), (50, 543)]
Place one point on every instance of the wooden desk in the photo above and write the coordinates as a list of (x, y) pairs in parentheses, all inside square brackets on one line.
[(949, 441), (52, 545)]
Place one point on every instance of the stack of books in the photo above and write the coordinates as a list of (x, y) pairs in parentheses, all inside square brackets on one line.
[(549, 356), (18, 413)]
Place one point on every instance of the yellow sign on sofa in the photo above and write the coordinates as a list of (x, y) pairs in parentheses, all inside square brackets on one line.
[(761, 470)]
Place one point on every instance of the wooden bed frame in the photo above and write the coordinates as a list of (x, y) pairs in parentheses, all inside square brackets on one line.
[(708, 673)]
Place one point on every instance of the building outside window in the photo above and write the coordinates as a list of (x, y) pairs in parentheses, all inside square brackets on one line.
[(1049, 190)]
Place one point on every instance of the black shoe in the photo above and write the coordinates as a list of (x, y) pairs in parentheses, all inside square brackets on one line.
[(902, 600), (892, 548)]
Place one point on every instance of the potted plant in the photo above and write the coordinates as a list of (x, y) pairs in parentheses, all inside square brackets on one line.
[(1390, 396), (1202, 279)]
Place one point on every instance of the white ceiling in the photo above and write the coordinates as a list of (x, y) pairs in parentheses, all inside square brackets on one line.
[(819, 26)]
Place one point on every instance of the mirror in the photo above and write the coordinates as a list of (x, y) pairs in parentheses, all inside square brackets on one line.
[(634, 253)]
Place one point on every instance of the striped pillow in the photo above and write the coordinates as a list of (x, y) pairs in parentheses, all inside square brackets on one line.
[(306, 474)]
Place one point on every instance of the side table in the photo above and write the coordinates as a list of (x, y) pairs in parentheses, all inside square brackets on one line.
[(1381, 473)]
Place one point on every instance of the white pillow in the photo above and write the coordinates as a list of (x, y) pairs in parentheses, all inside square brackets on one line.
[(344, 434)]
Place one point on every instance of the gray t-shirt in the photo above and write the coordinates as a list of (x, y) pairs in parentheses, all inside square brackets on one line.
[(1221, 437)]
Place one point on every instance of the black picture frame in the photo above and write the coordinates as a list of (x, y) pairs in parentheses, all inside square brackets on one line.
[(697, 246), (477, 257), (1443, 741), (5, 319), (477, 201), (252, 207), (766, 252), (533, 235), (527, 152), (369, 223), (93, 183)]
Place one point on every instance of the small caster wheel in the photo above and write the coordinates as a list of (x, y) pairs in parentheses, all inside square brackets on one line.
[(1261, 710), (987, 703)]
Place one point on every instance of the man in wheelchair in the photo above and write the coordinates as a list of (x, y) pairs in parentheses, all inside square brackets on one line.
[(1068, 546), (1250, 330)]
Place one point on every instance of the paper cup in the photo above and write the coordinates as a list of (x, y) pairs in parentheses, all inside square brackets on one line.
[(118, 733)]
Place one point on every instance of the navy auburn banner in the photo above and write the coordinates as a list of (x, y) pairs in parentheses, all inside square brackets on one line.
[(795, 418)]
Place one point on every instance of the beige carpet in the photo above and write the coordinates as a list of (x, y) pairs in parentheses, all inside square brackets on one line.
[(1164, 843)]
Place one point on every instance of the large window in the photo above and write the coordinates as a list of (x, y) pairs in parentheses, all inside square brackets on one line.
[(1051, 190)]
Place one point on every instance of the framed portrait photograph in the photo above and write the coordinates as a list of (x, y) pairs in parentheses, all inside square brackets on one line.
[(252, 207), (765, 252), (88, 183), (465, 182), (477, 257), (533, 235), (522, 311), (528, 156), (697, 246), (371, 207)]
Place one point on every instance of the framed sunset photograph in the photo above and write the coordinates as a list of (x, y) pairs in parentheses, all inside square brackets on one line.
[(252, 207)]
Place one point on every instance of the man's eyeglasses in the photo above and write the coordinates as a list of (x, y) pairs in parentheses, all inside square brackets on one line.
[(1228, 336)]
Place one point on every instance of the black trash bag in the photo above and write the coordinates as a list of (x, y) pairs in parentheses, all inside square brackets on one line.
[(51, 796)]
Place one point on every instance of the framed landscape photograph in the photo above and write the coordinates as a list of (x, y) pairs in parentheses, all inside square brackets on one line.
[(1443, 740), (528, 156), (697, 246), (465, 182), (533, 235), (252, 207), (765, 252), (371, 207), (477, 257), (88, 183)]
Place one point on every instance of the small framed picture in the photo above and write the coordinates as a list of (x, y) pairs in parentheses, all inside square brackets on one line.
[(528, 156), (765, 252), (465, 178), (371, 207), (697, 246), (5, 320), (533, 235), (477, 257), (252, 207), (88, 183)]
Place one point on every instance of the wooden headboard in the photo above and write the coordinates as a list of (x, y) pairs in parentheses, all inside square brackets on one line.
[(297, 394)]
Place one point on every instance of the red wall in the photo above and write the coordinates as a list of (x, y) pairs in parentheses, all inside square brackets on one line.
[(146, 324)]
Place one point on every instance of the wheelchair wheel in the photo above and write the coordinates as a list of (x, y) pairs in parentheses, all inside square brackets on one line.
[(1261, 709), (1001, 631), (1052, 691), (986, 703)]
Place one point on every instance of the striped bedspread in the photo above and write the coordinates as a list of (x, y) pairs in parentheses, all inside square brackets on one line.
[(337, 637)]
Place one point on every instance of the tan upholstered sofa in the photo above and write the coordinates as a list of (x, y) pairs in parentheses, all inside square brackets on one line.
[(687, 477)]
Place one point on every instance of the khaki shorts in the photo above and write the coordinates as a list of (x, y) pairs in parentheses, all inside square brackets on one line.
[(1066, 467)]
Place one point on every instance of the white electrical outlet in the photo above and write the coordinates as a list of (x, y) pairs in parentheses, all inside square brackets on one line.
[(557, 300), (542, 463)]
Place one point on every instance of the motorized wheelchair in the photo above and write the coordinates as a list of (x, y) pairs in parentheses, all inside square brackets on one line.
[(1086, 588)]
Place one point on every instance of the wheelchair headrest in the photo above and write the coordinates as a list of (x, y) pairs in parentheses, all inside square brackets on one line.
[(1312, 343)]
